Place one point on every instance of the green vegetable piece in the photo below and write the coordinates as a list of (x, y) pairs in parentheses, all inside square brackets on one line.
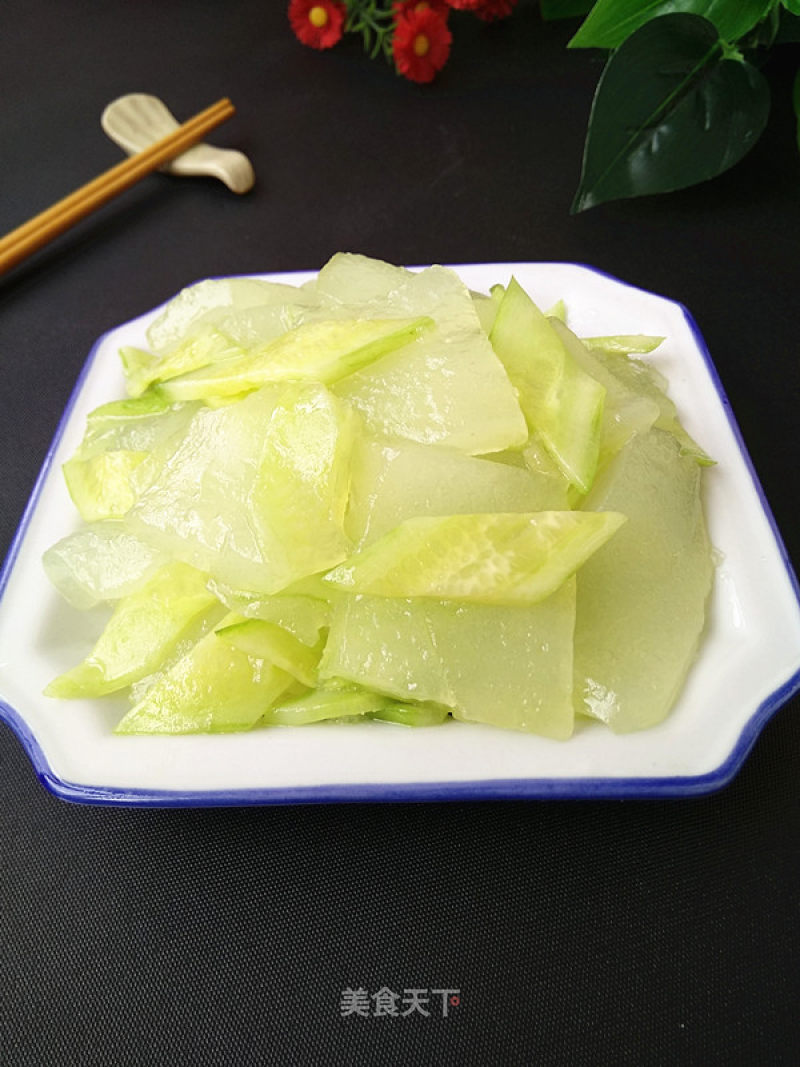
[(324, 703), (318, 351), (201, 350), (490, 559), (642, 597), (101, 487), (623, 344), (303, 616), (626, 411), (304, 477), (562, 404), (103, 477), (144, 629), (557, 311), (136, 424), (693, 114), (214, 688), (119, 423), (264, 640), (610, 22), (412, 714)]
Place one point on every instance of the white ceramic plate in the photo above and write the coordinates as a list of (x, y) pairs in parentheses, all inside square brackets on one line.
[(748, 666)]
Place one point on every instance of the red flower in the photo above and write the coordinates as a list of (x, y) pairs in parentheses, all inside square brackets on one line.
[(317, 23), (421, 43), (404, 7)]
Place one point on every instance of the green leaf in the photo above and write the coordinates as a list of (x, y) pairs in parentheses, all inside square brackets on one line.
[(792, 6), (565, 9), (610, 22), (669, 112)]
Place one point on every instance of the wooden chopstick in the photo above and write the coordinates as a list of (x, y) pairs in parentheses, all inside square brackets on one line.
[(36, 232)]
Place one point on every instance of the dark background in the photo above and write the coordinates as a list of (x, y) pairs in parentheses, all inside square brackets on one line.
[(578, 932)]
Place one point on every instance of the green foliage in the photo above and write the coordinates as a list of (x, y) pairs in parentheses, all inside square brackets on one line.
[(610, 22), (682, 97), (693, 115)]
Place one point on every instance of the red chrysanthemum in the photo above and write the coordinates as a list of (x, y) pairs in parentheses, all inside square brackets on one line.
[(317, 23), (421, 44), (404, 7)]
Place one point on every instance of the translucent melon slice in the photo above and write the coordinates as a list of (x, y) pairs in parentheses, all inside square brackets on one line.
[(490, 559), (448, 387), (385, 645), (210, 301), (136, 424), (100, 476), (529, 685), (259, 325), (393, 480), (143, 630), (642, 597), (214, 688), (101, 561), (304, 476), (646, 380), (563, 405), (198, 504), (505, 666), (253, 493), (350, 278), (448, 396)]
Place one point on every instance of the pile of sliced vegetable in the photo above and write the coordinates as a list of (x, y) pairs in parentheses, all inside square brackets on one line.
[(382, 496)]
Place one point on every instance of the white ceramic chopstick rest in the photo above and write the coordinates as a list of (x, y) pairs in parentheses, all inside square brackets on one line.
[(137, 120)]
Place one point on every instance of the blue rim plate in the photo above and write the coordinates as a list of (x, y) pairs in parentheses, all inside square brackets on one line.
[(748, 665)]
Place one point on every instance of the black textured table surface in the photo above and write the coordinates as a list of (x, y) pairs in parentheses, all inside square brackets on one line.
[(575, 932)]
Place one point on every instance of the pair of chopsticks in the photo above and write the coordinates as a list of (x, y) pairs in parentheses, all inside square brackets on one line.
[(35, 233)]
